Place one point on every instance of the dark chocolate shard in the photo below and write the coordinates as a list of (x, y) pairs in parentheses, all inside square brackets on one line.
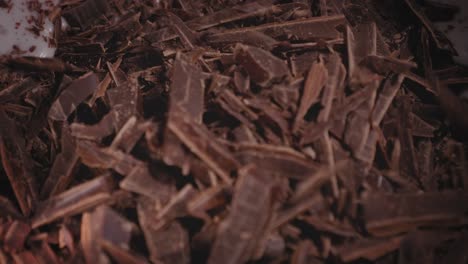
[(235, 107), (15, 236), (281, 161), (104, 226), (121, 255), (73, 201), (230, 14), (387, 214), (203, 144), (42, 64), (251, 38), (106, 158), (246, 223), (385, 64), (420, 14), (313, 131), (205, 200), (335, 227), (25, 257), (370, 249), (17, 164), (421, 128), (72, 96), (408, 160), (316, 80), (454, 108), (187, 93), (86, 13), (358, 124), (12, 92), (96, 132), (140, 181), (313, 183), (170, 243), (62, 172), (306, 253), (129, 134), (385, 98), (45, 254), (310, 29), (262, 67), (188, 38), (420, 247), (426, 165), (124, 101), (361, 43), (188, 88), (335, 82), (314, 202), (7, 208), (176, 207)]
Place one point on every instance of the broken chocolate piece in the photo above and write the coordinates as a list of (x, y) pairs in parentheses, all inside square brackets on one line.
[(87, 12), (262, 67), (240, 232), (402, 212), (17, 164), (170, 243), (73, 201), (72, 96), (65, 164)]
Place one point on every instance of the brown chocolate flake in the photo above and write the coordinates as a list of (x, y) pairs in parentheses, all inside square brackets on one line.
[(316, 80), (17, 164), (73, 201), (370, 249), (87, 12), (402, 212), (104, 226), (169, 243), (310, 29), (240, 232), (262, 67), (73, 95), (281, 161), (62, 172), (16, 236)]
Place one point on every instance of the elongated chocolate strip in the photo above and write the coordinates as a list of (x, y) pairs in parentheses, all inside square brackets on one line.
[(316, 80), (86, 13), (277, 160), (62, 172), (105, 226), (72, 96), (74, 201), (402, 212), (370, 249), (169, 243), (310, 29), (238, 234), (187, 93), (203, 144), (17, 164)]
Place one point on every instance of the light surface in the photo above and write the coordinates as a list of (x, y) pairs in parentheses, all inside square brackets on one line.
[(15, 36)]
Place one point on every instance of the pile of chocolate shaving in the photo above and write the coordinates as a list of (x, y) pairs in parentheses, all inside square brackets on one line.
[(296, 131)]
